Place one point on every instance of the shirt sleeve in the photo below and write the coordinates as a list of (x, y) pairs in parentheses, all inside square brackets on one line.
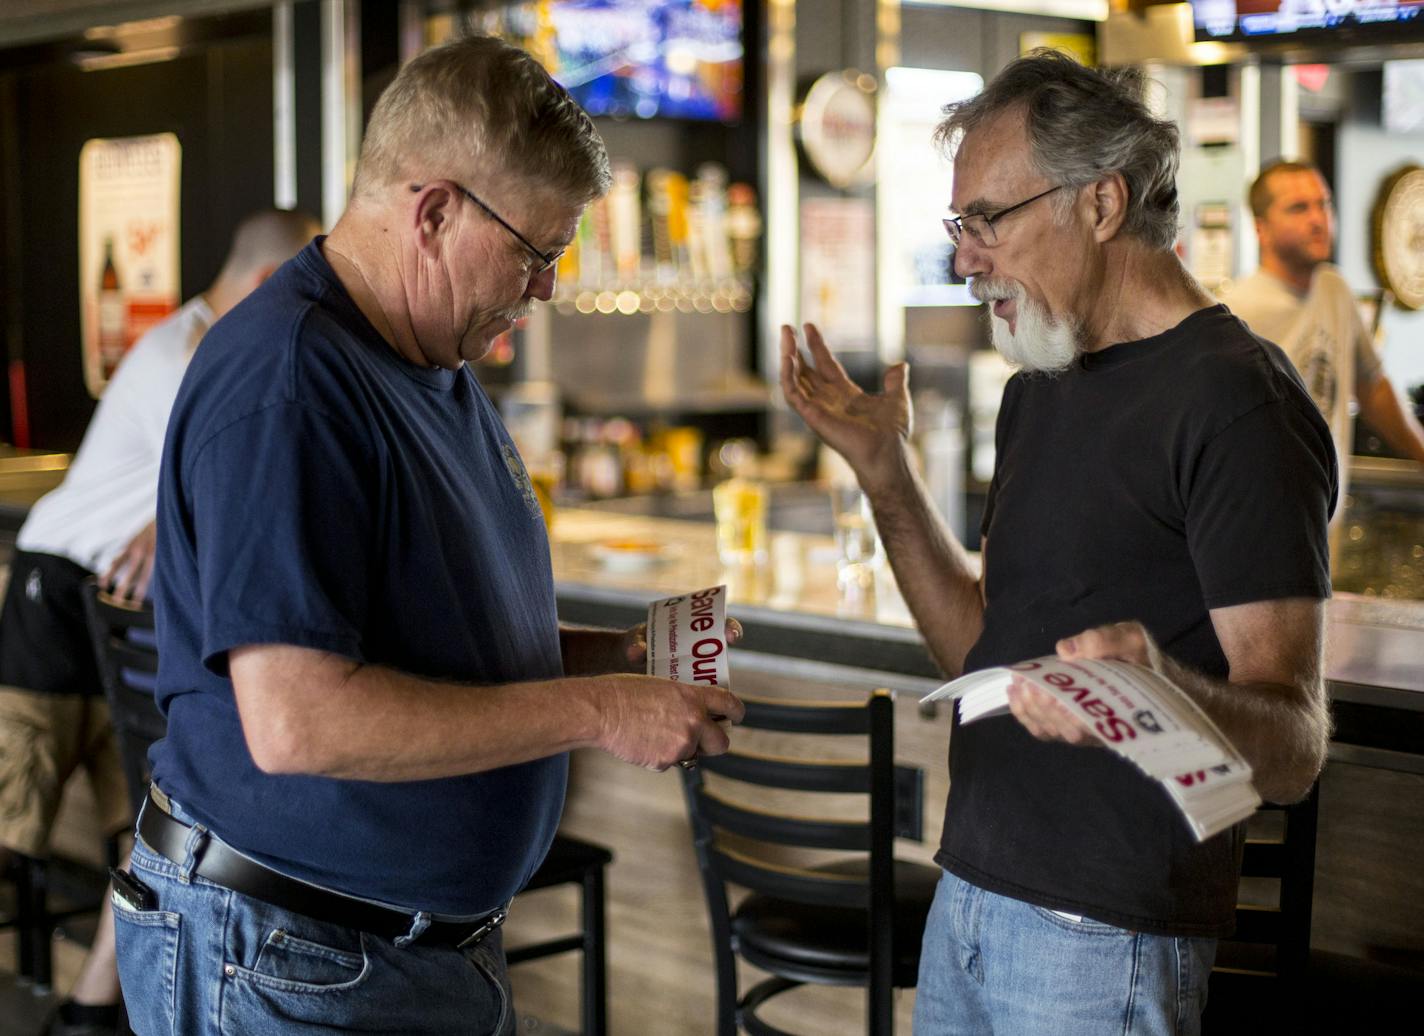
[(1367, 362), (1259, 498), (283, 513)]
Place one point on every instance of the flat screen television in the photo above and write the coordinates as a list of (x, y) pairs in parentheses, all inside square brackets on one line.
[(643, 58), (1309, 21)]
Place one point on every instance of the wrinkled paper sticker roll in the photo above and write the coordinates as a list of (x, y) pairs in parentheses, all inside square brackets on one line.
[(687, 638)]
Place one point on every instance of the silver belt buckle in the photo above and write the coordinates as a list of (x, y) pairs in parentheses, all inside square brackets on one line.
[(477, 936)]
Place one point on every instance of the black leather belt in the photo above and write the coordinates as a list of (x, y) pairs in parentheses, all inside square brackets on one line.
[(223, 865)]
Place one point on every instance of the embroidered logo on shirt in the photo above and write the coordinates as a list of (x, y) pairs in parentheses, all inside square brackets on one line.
[(521, 480)]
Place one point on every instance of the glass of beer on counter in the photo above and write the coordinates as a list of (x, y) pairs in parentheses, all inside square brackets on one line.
[(739, 505)]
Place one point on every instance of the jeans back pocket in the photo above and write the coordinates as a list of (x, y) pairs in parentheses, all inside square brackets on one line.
[(147, 942)]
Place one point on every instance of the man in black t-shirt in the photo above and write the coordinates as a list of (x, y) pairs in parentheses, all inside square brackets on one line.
[(1161, 493)]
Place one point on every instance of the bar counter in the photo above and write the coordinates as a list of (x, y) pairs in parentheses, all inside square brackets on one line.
[(25, 476), (791, 605)]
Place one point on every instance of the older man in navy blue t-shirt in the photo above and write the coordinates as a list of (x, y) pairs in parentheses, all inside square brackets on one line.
[(368, 692)]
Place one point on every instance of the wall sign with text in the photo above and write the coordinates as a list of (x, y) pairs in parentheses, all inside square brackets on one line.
[(128, 245)]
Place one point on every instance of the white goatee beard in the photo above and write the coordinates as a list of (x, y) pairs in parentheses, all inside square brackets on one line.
[(1040, 343)]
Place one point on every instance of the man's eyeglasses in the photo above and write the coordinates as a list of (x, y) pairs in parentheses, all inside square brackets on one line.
[(542, 260), (980, 227)]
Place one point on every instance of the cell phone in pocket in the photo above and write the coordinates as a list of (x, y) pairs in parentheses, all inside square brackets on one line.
[(132, 891)]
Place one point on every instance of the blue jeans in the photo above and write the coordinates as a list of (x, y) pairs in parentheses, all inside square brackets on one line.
[(208, 961), (991, 964)]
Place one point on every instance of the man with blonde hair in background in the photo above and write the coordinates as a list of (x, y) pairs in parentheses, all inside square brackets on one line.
[(1299, 300), (100, 520), (370, 698)]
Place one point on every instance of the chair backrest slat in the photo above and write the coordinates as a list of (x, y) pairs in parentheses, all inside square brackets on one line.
[(780, 829), (806, 717), (139, 681), (126, 654), (1263, 858), (831, 776)]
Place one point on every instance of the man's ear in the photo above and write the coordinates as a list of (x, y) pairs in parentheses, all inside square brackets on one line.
[(1109, 200), (430, 214)]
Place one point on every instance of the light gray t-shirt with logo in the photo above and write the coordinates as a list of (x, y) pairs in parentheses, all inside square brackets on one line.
[(1322, 333)]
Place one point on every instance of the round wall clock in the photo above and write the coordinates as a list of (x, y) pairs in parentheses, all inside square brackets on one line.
[(838, 127), (1399, 236)]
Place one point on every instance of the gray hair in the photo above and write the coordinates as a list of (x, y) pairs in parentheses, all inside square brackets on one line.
[(1083, 124), (480, 104)]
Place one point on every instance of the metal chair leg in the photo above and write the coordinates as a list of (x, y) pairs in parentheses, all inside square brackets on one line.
[(25, 919), (35, 930), (595, 964)]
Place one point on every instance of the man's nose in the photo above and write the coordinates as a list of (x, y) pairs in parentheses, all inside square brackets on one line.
[(968, 259), (541, 285)]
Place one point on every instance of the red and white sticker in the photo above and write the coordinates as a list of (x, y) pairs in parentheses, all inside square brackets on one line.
[(687, 638)]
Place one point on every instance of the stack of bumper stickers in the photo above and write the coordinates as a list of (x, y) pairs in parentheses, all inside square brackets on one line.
[(1140, 715)]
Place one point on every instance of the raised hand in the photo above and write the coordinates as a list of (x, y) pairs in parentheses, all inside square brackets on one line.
[(867, 429), (654, 723)]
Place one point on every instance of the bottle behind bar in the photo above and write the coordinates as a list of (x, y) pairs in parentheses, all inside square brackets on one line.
[(743, 227), (624, 219), (113, 330)]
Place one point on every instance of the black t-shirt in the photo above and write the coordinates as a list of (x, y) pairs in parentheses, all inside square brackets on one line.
[(1153, 480)]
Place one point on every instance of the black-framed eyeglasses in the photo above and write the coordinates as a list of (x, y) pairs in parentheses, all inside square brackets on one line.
[(543, 260), (980, 227)]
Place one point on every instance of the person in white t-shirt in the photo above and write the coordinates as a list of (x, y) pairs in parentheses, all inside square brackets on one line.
[(100, 520), (1300, 301)]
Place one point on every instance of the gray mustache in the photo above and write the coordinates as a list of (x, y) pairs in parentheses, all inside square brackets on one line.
[(992, 292)]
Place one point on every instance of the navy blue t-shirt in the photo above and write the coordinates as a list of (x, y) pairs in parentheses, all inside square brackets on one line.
[(318, 490)]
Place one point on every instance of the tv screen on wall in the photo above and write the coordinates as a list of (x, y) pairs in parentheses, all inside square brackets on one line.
[(1308, 20), (643, 58)]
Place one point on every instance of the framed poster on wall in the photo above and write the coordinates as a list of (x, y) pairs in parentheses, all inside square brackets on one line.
[(128, 245), (838, 270)]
